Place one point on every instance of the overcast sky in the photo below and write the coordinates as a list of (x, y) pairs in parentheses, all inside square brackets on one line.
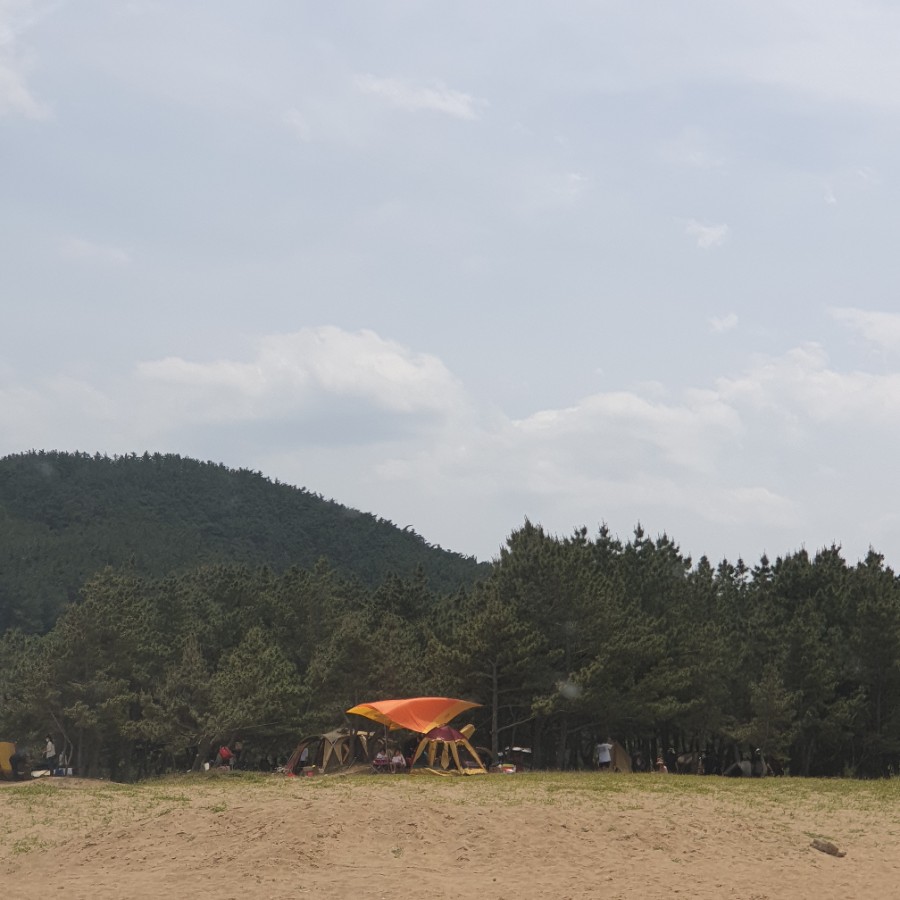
[(463, 264)]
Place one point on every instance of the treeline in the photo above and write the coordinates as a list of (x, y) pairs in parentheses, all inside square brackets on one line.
[(64, 516), (566, 641)]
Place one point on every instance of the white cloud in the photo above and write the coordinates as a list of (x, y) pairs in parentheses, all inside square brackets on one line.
[(417, 449), (625, 427), (571, 187), (305, 372), (414, 98), (298, 125), (15, 96), (707, 235), (832, 50), (540, 191), (881, 329), (691, 148), (764, 505), (23, 412), (62, 411), (337, 118), (802, 389), (82, 251), (851, 184), (420, 227), (868, 175), (724, 323)]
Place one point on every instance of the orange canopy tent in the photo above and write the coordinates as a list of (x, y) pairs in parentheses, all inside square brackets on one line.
[(415, 713)]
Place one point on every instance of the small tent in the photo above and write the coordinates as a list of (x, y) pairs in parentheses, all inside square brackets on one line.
[(621, 759), (7, 749), (13, 763), (449, 742), (331, 751)]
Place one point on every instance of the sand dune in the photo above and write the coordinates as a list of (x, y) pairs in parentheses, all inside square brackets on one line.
[(521, 836)]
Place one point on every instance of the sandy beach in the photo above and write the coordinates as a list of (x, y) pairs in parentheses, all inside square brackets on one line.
[(496, 837)]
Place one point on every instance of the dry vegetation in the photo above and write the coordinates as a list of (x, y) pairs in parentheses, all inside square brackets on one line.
[(540, 835)]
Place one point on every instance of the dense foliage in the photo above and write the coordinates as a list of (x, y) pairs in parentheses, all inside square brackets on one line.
[(65, 516), (566, 641)]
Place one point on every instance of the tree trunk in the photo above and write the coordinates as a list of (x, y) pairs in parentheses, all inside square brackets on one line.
[(203, 747), (807, 761), (561, 742), (537, 744), (495, 704)]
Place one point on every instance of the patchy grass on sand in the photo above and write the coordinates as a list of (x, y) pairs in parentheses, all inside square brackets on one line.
[(539, 835)]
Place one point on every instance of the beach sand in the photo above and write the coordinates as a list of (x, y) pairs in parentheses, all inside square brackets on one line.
[(495, 838)]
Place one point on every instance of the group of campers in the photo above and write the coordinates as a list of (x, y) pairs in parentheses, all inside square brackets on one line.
[(609, 755), (235, 755), (390, 761), (18, 763), (446, 749), (345, 749)]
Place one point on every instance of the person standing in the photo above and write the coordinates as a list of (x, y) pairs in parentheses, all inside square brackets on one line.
[(604, 754), (671, 758), (50, 754)]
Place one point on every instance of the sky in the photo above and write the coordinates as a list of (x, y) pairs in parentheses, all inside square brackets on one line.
[(463, 265)]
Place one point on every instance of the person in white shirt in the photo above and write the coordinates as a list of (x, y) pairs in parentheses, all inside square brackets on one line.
[(50, 754), (604, 754)]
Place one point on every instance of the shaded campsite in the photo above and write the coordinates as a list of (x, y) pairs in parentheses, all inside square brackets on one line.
[(430, 743)]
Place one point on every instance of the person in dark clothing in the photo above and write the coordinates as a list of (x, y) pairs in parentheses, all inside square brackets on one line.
[(19, 764), (671, 758)]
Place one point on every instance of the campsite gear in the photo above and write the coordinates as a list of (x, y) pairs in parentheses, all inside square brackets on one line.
[(449, 740), (517, 757), (621, 760), (381, 764), (331, 751), (13, 762), (415, 713), (7, 750)]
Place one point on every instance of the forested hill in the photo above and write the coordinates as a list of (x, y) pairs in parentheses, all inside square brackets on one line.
[(64, 516)]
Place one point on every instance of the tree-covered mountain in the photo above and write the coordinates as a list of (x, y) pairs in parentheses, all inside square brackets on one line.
[(206, 613), (64, 516)]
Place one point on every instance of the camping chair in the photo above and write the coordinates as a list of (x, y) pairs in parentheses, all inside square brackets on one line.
[(381, 764)]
